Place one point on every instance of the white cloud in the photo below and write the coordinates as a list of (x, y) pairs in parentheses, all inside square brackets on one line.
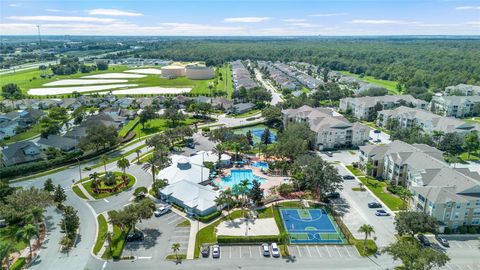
[(468, 8), (61, 19), (246, 19), (294, 20), (304, 24), (392, 22), (14, 5), (52, 10), (113, 12), (329, 14)]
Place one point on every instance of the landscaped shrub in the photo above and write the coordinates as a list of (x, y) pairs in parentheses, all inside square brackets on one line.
[(472, 230), (18, 264), (210, 217), (462, 229), (227, 239), (447, 231)]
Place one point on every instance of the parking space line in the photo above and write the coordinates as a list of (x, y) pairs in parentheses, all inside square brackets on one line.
[(328, 251), (448, 266), (356, 250), (459, 267), (308, 249), (250, 250), (230, 256), (318, 251), (175, 220), (299, 253), (338, 251), (458, 244), (469, 267), (240, 252), (348, 252), (468, 245)]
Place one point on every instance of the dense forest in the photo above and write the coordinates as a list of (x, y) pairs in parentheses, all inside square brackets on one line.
[(431, 63)]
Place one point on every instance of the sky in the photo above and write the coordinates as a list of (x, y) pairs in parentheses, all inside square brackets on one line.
[(240, 17)]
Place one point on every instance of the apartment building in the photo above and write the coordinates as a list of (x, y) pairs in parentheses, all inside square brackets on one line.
[(363, 107), (454, 106), (332, 129), (428, 121), (450, 195), (241, 76), (279, 78), (463, 89)]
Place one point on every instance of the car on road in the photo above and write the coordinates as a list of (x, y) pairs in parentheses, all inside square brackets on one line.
[(135, 236), (330, 154), (191, 145), (377, 141), (374, 205), (265, 250), (216, 251), (442, 240), (205, 250), (377, 131), (275, 250), (162, 210), (348, 177), (381, 213), (424, 240)]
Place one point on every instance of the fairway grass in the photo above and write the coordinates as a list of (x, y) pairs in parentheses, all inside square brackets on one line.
[(389, 85)]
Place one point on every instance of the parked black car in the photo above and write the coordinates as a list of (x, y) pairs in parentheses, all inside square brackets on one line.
[(205, 251), (135, 236), (374, 205), (423, 239), (442, 240), (348, 177)]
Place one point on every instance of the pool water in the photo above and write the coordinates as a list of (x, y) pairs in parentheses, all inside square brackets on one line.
[(236, 176), (260, 164)]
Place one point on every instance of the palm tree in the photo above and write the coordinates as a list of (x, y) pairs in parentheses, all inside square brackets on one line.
[(219, 149), (243, 186), (5, 249), (236, 148), (104, 160), (25, 234), (151, 165), (175, 249), (123, 164), (406, 195), (225, 198), (369, 168), (108, 237), (138, 152), (36, 214), (368, 230), (437, 135)]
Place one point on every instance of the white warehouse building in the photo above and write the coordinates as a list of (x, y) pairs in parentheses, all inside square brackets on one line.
[(172, 72), (200, 72)]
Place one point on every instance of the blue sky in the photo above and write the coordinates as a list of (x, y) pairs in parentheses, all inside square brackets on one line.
[(241, 17)]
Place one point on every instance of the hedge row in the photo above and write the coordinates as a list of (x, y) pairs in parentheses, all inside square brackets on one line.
[(259, 239), (210, 217), (18, 264)]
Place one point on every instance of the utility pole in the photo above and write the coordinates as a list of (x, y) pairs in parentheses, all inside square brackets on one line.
[(39, 36)]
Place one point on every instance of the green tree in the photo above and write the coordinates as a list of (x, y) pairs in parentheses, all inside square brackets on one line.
[(146, 115), (26, 234), (5, 249), (367, 230), (249, 137), (451, 143), (471, 143), (256, 192), (411, 223), (69, 223), (123, 164), (174, 115), (219, 149), (11, 91), (36, 216), (59, 195), (273, 116), (415, 257), (140, 193), (18, 204), (294, 141), (176, 249), (104, 159), (266, 138), (48, 185), (225, 198)]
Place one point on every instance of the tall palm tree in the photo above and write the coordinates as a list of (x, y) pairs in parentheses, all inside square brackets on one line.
[(406, 195), (104, 160), (243, 185), (123, 164), (437, 135), (138, 152), (5, 249), (368, 230), (236, 148), (219, 149), (151, 165), (25, 234), (36, 214), (108, 237), (225, 198), (175, 249), (369, 168)]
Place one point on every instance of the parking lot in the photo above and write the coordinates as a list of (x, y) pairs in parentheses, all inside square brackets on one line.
[(464, 253), (159, 233)]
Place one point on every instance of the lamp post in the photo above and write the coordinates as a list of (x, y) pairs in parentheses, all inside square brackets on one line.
[(79, 169)]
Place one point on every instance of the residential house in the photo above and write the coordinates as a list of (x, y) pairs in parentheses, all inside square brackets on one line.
[(364, 107), (454, 106), (332, 129), (222, 103), (463, 89), (62, 143), (240, 108), (428, 121), (21, 152), (241, 77), (450, 195)]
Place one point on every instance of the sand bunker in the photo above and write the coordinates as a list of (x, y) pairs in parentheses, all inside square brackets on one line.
[(151, 90), (114, 76), (69, 90), (82, 82), (149, 71)]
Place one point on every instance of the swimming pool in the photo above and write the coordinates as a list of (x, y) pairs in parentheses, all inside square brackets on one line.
[(260, 164), (236, 176)]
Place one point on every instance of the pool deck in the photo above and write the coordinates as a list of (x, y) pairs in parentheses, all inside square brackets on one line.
[(271, 181)]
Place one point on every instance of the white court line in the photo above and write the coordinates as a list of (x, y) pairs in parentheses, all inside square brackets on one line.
[(230, 256), (299, 253), (240, 252), (318, 251), (144, 258), (449, 267), (348, 252), (308, 249), (328, 251), (338, 251), (106, 200)]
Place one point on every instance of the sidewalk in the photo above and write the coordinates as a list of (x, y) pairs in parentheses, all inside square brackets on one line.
[(105, 244), (85, 192)]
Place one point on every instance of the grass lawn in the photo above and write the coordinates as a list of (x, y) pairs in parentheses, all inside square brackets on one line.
[(266, 212), (369, 250), (79, 192), (208, 235), (474, 156), (389, 85), (185, 223), (243, 115), (475, 120), (29, 133), (117, 245), (128, 127), (8, 233), (157, 125), (88, 187), (305, 90), (174, 257), (102, 234), (355, 171), (377, 187)]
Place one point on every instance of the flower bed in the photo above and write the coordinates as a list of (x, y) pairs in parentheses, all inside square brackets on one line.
[(102, 190)]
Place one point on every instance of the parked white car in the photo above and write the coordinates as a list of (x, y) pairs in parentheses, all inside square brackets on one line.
[(275, 250), (163, 209)]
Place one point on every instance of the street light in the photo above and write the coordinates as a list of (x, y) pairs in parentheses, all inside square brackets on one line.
[(79, 169)]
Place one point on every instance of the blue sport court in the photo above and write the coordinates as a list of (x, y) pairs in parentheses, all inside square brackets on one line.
[(310, 226)]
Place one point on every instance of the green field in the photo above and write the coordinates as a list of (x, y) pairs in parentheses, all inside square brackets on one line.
[(31, 79), (389, 85), (102, 234), (157, 125)]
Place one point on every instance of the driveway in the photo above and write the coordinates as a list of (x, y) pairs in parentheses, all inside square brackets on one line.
[(382, 136), (276, 96), (160, 233), (343, 156), (355, 212)]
